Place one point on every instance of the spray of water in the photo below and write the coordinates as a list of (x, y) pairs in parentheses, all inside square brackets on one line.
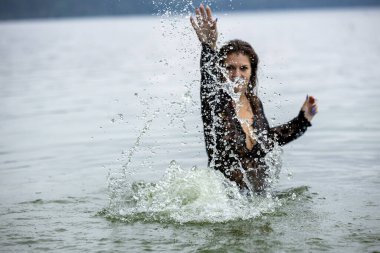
[(230, 87), (183, 194), (189, 195)]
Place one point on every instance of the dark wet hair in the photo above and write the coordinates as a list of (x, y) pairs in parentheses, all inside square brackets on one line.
[(239, 46)]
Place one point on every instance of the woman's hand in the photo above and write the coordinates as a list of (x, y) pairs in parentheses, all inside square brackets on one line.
[(205, 26), (310, 107)]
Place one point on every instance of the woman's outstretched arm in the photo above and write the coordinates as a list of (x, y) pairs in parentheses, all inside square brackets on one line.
[(290, 131)]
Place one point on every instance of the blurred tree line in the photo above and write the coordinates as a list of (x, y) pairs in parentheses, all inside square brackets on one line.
[(19, 9), (15, 9)]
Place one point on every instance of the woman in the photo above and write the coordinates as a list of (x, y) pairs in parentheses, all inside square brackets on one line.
[(237, 133)]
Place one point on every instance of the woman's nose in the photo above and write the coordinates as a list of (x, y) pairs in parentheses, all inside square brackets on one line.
[(236, 73)]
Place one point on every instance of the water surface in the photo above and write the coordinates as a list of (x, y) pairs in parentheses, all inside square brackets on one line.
[(84, 100)]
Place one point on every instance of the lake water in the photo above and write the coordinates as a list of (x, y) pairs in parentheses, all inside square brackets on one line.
[(101, 141)]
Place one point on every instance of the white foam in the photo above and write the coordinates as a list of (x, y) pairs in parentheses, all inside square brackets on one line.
[(188, 195)]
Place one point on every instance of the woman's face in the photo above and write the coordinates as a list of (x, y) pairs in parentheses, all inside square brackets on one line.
[(238, 66)]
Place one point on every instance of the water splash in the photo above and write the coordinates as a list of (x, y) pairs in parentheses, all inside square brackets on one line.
[(230, 87), (187, 195)]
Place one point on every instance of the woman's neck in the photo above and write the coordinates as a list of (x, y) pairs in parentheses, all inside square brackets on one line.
[(243, 100)]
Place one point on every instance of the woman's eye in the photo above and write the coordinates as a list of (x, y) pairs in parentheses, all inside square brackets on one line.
[(244, 68)]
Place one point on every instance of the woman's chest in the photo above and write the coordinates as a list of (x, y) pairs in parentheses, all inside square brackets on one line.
[(242, 125)]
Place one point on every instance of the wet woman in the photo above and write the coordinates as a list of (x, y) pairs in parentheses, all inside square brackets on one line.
[(237, 133)]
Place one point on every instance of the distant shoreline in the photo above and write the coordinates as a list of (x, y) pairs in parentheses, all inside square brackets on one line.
[(62, 9), (147, 15)]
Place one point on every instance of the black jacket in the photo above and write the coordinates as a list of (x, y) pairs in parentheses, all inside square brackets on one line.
[(224, 135)]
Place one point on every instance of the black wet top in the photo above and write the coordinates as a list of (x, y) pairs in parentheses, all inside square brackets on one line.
[(224, 136)]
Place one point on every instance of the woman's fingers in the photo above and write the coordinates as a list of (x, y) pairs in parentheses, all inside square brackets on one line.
[(213, 24), (204, 25), (313, 107), (310, 107), (196, 28), (311, 100), (194, 24), (198, 16), (203, 13), (204, 17), (209, 14), (314, 110)]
